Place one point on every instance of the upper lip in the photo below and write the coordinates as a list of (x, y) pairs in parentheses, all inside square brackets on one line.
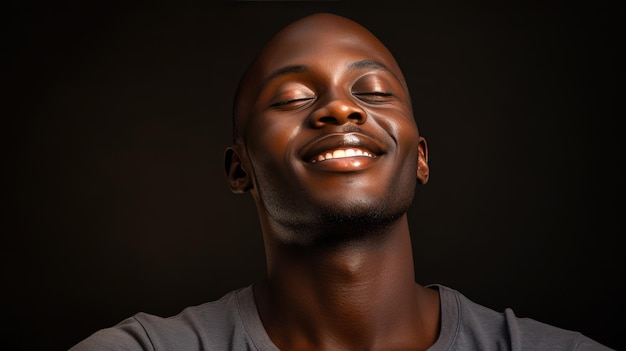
[(337, 140)]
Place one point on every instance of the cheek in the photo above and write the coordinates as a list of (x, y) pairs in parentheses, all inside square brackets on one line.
[(407, 141), (270, 142), (403, 130)]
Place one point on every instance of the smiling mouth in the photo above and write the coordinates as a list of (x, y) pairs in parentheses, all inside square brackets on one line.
[(342, 153), (343, 150)]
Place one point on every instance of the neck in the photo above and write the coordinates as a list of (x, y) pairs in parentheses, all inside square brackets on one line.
[(356, 294)]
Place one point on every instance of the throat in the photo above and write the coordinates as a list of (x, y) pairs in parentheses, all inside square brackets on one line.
[(341, 292), (350, 317)]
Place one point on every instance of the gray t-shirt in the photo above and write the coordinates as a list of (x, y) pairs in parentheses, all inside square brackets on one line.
[(233, 323)]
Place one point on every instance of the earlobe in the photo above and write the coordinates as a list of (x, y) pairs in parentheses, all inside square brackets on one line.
[(422, 161), (238, 177)]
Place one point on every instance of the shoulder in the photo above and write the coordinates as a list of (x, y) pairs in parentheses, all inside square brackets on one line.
[(207, 326), (530, 334), (470, 326)]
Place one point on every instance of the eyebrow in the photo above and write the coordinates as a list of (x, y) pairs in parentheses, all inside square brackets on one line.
[(376, 65), (286, 70), (294, 69), (368, 64)]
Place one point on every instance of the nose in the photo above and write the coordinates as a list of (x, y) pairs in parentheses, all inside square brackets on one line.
[(338, 111)]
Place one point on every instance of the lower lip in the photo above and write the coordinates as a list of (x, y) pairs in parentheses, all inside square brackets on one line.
[(346, 164)]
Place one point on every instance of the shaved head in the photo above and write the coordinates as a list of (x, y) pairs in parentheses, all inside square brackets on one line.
[(296, 37)]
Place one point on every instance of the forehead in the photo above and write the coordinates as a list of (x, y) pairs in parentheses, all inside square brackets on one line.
[(320, 41)]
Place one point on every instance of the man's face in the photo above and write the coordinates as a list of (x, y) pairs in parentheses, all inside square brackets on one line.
[(330, 135)]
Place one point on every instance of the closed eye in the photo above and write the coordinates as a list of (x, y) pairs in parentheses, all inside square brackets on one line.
[(374, 96), (288, 102), (374, 93)]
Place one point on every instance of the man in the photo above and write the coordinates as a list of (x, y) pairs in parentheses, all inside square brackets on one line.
[(326, 143)]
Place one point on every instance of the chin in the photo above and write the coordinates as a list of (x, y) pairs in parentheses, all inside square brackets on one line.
[(342, 223)]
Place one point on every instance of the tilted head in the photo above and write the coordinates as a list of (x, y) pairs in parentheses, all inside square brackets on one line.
[(324, 129), (298, 39)]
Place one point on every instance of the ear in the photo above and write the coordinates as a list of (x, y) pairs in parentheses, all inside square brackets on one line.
[(238, 177), (422, 161)]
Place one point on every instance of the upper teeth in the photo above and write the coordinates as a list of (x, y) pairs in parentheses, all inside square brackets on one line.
[(341, 153)]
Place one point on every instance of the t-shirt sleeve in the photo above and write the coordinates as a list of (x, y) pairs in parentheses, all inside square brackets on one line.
[(587, 344), (534, 335), (128, 335)]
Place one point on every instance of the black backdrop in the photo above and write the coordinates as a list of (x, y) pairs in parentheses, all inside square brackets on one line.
[(115, 119)]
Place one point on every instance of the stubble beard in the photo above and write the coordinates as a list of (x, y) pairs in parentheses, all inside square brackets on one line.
[(341, 222)]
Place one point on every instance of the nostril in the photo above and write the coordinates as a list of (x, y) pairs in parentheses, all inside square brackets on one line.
[(327, 119), (356, 117), (320, 122), (337, 112)]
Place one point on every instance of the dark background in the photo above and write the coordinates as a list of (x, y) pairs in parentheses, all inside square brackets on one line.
[(115, 118)]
